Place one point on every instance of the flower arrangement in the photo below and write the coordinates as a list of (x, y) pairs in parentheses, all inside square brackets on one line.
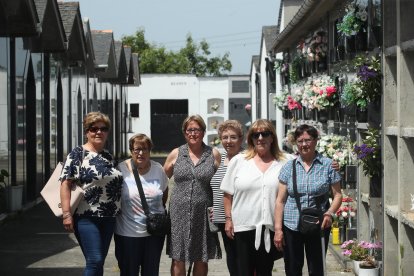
[(248, 107), (361, 250), (346, 212), (215, 106), (369, 153), (280, 101), (337, 148), (214, 124), (215, 142), (354, 19), (366, 86), (319, 93)]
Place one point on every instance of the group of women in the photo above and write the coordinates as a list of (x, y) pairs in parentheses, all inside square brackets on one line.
[(250, 191)]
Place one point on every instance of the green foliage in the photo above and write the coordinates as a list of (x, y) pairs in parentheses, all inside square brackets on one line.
[(192, 59)]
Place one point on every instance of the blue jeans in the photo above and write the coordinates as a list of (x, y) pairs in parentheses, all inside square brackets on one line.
[(135, 254), (94, 235)]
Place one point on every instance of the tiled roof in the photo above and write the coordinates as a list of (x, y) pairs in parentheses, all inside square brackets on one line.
[(269, 35), (18, 18), (102, 41), (40, 8), (127, 51), (68, 12)]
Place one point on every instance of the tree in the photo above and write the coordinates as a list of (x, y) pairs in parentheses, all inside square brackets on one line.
[(192, 59)]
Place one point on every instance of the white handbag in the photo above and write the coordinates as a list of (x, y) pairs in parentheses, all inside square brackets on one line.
[(51, 192)]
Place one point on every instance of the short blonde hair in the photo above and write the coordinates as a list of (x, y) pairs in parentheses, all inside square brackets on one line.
[(263, 125), (230, 124), (196, 118), (93, 118), (140, 138)]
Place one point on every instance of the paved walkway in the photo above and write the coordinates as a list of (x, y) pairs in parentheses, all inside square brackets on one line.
[(34, 243)]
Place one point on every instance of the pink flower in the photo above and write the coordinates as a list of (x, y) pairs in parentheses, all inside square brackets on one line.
[(248, 107), (330, 90), (321, 92), (292, 104)]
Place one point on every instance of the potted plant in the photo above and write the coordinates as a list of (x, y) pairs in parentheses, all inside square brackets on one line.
[(362, 251), (369, 156)]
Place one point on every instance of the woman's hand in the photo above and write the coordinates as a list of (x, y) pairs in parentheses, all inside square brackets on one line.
[(335, 166), (67, 221), (278, 240), (327, 221), (229, 229)]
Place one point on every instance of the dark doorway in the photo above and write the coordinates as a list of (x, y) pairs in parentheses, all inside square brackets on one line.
[(167, 117)]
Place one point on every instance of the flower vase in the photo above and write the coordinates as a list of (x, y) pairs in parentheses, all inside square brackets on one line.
[(323, 116), (375, 186), (336, 236), (356, 266), (374, 271), (361, 116)]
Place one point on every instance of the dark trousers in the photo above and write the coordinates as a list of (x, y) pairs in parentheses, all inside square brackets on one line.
[(135, 254), (231, 252), (294, 253), (249, 259), (94, 235)]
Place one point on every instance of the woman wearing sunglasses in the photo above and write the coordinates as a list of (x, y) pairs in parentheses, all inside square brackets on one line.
[(92, 167), (250, 186)]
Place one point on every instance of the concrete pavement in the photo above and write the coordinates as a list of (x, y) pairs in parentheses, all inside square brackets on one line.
[(33, 242)]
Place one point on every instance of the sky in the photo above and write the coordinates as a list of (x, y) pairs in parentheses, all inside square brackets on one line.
[(233, 26)]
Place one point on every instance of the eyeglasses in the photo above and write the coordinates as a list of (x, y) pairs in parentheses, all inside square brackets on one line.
[(193, 130), (96, 129), (306, 141), (232, 138), (264, 134), (138, 150)]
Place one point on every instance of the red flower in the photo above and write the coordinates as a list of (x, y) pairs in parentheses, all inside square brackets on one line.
[(330, 90)]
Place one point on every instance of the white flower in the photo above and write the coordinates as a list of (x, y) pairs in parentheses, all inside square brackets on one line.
[(352, 214), (344, 214)]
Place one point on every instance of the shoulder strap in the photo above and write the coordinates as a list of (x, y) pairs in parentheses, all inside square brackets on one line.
[(139, 185), (295, 188)]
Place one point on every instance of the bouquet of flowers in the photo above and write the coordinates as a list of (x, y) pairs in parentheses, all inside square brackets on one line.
[(319, 93), (354, 19), (280, 101), (337, 148), (369, 153), (215, 142), (346, 212), (215, 106)]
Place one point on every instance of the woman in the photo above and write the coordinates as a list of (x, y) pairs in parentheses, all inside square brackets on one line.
[(135, 249), (192, 165), (91, 167), (231, 136), (249, 188), (315, 178)]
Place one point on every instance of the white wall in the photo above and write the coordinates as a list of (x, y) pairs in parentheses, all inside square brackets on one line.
[(200, 92)]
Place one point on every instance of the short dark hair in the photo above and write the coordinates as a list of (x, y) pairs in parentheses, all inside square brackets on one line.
[(312, 131)]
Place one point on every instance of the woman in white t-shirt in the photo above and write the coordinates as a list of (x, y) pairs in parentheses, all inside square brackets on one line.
[(138, 252), (250, 187)]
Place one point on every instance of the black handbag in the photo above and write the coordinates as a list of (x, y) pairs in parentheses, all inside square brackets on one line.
[(310, 219), (158, 224)]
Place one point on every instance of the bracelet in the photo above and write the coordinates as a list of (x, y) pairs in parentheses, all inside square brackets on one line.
[(228, 217), (327, 213), (66, 215)]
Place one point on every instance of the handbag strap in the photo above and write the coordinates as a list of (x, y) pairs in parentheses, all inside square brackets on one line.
[(295, 187), (140, 189)]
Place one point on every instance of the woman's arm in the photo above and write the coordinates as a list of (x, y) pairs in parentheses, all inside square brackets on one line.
[(217, 158), (281, 198), (169, 162), (336, 203), (227, 202), (65, 190)]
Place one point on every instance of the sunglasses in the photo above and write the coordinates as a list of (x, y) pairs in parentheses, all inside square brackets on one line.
[(264, 134), (96, 129)]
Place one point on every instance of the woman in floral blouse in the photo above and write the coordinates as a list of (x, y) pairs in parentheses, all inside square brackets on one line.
[(91, 167)]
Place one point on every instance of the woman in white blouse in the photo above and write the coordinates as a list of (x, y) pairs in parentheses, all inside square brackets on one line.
[(250, 187)]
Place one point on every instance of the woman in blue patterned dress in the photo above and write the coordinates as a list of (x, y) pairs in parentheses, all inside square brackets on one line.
[(192, 165), (91, 167)]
